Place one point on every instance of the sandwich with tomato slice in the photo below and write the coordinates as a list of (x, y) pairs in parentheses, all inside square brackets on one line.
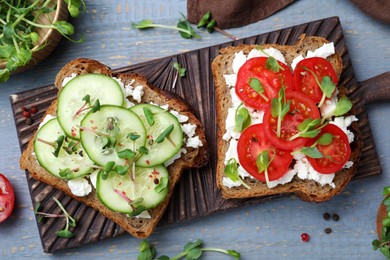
[(285, 125)]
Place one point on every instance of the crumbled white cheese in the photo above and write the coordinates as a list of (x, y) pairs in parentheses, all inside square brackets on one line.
[(229, 183), (47, 118), (328, 107), (138, 93), (283, 180), (93, 178), (254, 53), (129, 103), (295, 61), (143, 214), (80, 187), (256, 117), (175, 157), (238, 61), (324, 51), (230, 79), (122, 85), (67, 79), (306, 172), (194, 142), (189, 129), (181, 118), (344, 123), (348, 165)]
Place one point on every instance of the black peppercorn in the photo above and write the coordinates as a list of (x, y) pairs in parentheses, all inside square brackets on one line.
[(328, 230), (335, 217), (326, 216)]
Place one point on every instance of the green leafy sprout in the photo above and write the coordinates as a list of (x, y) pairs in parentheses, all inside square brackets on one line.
[(312, 151), (191, 251), (271, 63), (57, 144), (182, 71), (70, 221), (279, 108), (383, 244), (326, 85), (18, 38), (343, 106), (183, 27), (211, 25), (242, 118), (256, 85), (262, 162), (231, 171)]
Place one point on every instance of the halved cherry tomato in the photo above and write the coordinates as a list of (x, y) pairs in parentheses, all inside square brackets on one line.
[(336, 154), (7, 198), (252, 142), (301, 108), (270, 81), (304, 80)]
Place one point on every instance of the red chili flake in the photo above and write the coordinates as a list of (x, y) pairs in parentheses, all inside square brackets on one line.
[(148, 136), (305, 237), (92, 121), (26, 114), (155, 172), (33, 110), (120, 183), (123, 192), (73, 131), (147, 162)]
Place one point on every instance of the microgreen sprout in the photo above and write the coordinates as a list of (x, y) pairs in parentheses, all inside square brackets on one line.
[(343, 106), (70, 221), (272, 63), (132, 203), (166, 135), (105, 171), (87, 101), (279, 108), (210, 24), (71, 148), (231, 171), (191, 251), (383, 243), (183, 27), (162, 184), (256, 85), (68, 173), (18, 39), (57, 144), (149, 116), (312, 151), (326, 85), (309, 128), (182, 71), (242, 119), (262, 162)]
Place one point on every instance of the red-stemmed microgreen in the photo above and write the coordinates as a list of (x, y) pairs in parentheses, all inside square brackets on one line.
[(326, 85), (211, 25), (271, 63), (256, 85), (343, 106), (242, 118), (134, 204), (309, 128), (57, 144), (262, 162), (70, 221), (383, 243), (92, 131), (87, 105), (231, 171), (183, 27), (279, 108), (166, 135), (191, 251)]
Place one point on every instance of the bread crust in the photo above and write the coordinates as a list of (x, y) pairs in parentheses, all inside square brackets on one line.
[(194, 158), (307, 190)]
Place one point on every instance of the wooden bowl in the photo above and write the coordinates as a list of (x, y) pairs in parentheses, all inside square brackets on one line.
[(48, 38)]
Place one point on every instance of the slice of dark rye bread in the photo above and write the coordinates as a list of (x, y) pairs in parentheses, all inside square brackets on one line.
[(138, 227), (307, 190)]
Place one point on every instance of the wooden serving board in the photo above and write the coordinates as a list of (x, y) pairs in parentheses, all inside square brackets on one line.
[(196, 195)]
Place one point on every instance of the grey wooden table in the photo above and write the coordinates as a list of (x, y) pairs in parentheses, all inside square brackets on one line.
[(269, 230)]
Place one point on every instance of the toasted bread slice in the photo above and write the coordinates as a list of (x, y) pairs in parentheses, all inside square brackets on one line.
[(307, 190), (195, 157)]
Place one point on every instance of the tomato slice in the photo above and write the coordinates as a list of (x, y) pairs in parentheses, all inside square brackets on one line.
[(304, 80), (270, 81), (7, 198), (301, 108), (252, 142), (336, 154)]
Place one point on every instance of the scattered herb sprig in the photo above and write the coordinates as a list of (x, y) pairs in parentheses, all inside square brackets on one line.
[(262, 162), (211, 25), (183, 27), (231, 171), (312, 151), (19, 39), (242, 118), (191, 251), (326, 85), (180, 71), (279, 108), (256, 85), (383, 244), (70, 221)]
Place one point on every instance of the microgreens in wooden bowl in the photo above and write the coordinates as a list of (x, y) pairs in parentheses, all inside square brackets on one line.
[(30, 30)]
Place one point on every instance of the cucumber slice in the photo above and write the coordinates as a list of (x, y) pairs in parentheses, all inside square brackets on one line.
[(123, 122), (148, 189), (77, 162), (159, 153), (70, 99)]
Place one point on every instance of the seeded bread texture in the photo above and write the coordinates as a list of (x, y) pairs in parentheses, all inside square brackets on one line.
[(194, 158), (307, 190)]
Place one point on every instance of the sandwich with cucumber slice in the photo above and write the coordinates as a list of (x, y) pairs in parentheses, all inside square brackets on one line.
[(115, 143)]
